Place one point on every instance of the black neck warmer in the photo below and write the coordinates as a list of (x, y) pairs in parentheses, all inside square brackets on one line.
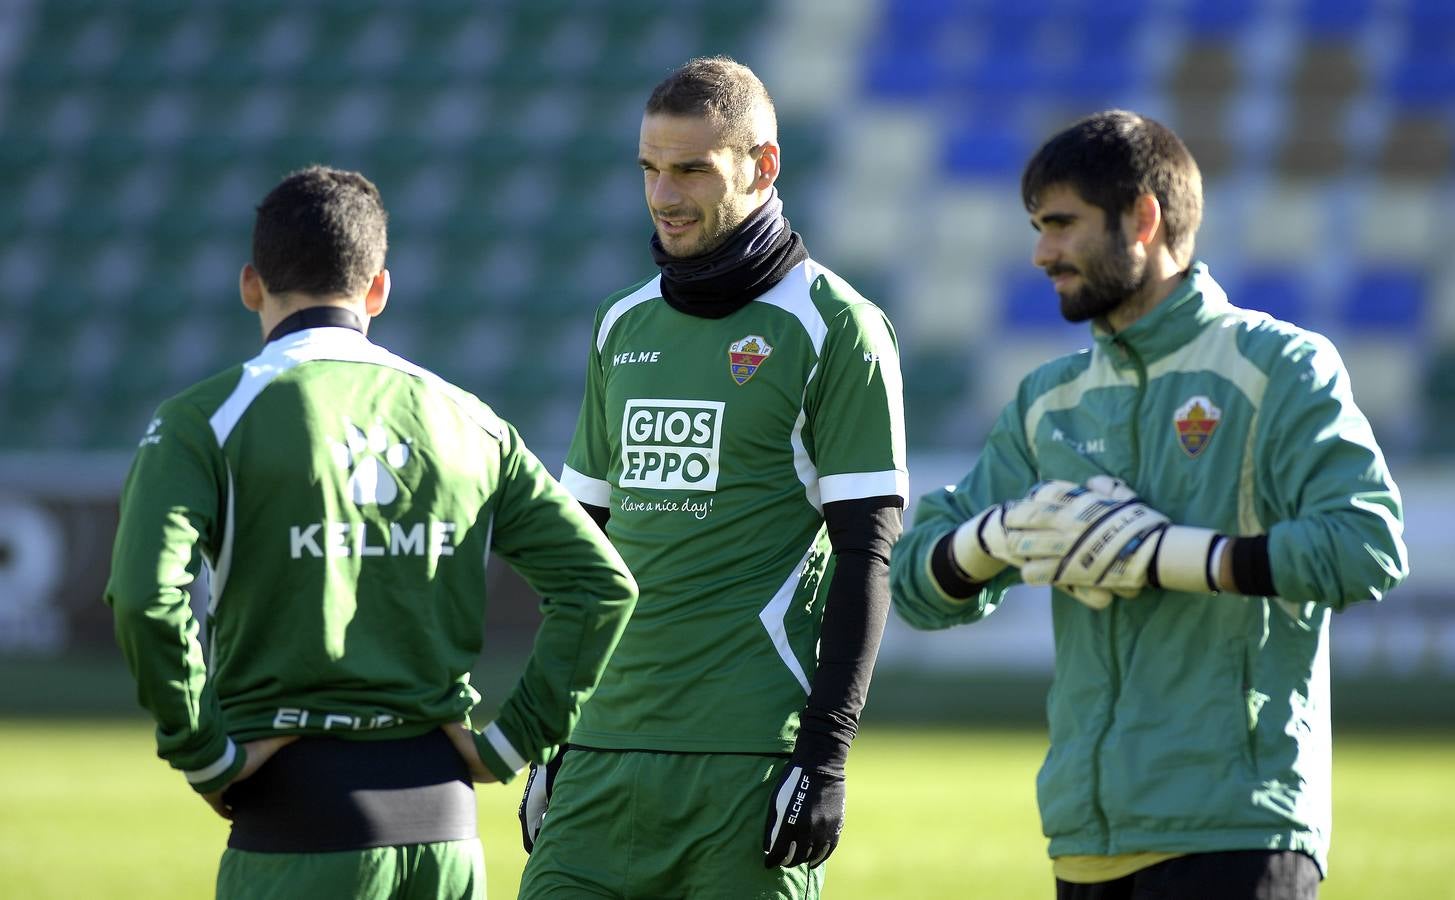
[(722, 281), (316, 317)]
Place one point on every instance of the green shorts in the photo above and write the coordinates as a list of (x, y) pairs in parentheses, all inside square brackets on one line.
[(448, 870), (661, 825)]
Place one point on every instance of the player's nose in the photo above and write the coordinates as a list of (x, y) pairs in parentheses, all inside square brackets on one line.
[(1044, 253), (663, 195)]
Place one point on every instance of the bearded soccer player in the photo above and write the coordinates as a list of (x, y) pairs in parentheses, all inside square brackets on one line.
[(741, 440), (1203, 494), (344, 501)]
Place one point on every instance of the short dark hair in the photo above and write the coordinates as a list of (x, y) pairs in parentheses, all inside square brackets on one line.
[(322, 232), (724, 90), (1112, 158)]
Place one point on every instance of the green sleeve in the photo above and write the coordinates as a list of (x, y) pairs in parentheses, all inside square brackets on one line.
[(1337, 522), (1003, 471), (588, 595), (171, 513), (856, 406), (588, 461)]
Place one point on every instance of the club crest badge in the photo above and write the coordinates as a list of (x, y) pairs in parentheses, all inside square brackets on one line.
[(746, 355), (1195, 421)]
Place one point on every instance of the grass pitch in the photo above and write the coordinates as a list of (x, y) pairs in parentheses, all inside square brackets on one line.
[(86, 810)]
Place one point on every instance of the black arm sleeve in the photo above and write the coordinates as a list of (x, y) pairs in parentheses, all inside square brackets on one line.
[(862, 533), (599, 514), (1252, 567)]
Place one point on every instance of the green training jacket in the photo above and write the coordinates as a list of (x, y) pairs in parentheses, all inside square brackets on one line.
[(344, 501), (1189, 722)]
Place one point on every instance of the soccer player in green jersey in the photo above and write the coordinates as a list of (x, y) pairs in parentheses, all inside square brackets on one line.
[(344, 501), (741, 440), (1203, 494)]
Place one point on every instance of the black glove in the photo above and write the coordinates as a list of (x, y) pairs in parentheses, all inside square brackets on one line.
[(535, 799), (805, 817)]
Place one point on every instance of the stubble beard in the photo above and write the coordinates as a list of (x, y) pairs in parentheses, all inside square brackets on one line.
[(731, 212), (1108, 280)]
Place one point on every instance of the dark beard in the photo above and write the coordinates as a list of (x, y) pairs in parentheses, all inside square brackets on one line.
[(1107, 281)]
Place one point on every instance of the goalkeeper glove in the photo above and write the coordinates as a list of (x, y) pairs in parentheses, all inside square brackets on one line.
[(987, 543), (535, 799), (805, 817), (979, 545), (1101, 541)]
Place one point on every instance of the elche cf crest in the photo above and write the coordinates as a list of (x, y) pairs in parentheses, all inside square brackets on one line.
[(1195, 421), (746, 355)]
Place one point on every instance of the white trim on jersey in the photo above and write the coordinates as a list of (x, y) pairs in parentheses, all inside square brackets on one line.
[(217, 576), (856, 485), (802, 463), (336, 345), (207, 773), (501, 744), (489, 536), (773, 615), (652, 290), (793, 295), (585, 488)]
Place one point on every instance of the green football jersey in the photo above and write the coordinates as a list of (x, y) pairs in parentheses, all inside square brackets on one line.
[(345, 501), (714, 443)]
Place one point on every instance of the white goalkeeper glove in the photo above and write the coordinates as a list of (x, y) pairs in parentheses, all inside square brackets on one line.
[(1099, 541), (536, 797), (983, 546), (979, 545)]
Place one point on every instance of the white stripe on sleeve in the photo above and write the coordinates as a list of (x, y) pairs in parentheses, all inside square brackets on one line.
[(856, 485), (502, 745), (586, 489), (197, 776)]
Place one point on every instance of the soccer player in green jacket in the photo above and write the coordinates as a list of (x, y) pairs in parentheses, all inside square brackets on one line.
[(344, 502), (742, 441), (1202, 493)]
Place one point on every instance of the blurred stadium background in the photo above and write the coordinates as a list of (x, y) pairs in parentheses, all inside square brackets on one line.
[(136, 137)]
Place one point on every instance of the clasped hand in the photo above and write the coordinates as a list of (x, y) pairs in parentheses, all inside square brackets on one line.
[(1094, 541)]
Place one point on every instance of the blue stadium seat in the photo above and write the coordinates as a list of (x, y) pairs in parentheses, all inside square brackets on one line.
[(1431, 14), (1423, 74), (1219, 18), (1028, 301), (1123, 10), (917, 19), (985, 147), (1422, 83), (1006, 73), (903, 69), (1387, 298), (1334, 19), (1102, 67), (1282, 293)]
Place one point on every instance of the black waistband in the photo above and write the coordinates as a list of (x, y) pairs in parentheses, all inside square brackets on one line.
[(321, 795)]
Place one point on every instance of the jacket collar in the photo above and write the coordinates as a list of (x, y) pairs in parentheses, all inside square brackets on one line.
[(1172, 323), (316, 317)]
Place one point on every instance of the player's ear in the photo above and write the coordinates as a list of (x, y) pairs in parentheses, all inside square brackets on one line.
[(1143, 222), (766, 161), (378, 296), (250, 286)]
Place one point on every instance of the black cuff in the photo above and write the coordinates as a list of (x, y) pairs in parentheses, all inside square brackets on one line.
[(951, 578), (823, 740), (1252, 570), (599, 514)]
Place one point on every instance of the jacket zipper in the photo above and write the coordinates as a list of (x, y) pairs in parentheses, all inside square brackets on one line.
[(1114, 661), (1136, 436)]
